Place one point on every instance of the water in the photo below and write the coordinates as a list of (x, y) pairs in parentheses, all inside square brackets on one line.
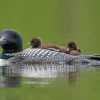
[(50, 81), (42, 72)]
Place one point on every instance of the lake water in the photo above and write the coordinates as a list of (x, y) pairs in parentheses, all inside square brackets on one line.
[(50, 82)]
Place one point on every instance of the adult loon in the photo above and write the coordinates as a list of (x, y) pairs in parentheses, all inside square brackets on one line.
[(37, 55), (11, 42)]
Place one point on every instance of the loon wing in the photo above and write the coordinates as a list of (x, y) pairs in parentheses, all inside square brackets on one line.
[(41, 55)]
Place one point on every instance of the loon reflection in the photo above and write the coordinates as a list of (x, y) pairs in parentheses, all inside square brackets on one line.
[(43, 73)]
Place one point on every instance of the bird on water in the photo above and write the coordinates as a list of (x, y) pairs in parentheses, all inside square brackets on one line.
[(11, 43)]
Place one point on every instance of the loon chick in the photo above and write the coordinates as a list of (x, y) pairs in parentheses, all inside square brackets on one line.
[(11, 42), (73, 49), (36, 42)]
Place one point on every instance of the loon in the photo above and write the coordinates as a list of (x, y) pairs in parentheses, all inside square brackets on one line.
[(32, 56), (11, 42)]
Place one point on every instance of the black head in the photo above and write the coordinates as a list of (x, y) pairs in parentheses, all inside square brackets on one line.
[(10, 41)]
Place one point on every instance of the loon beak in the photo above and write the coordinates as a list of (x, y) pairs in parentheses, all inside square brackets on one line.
[(3, 41)]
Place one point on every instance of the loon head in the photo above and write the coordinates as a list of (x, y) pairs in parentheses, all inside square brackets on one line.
[(10, 41)]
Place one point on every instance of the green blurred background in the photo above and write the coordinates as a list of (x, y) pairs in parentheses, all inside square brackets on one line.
[(55, 21)]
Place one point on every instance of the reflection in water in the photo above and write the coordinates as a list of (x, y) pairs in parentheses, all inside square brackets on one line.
[(72, 74), (40, 73), (11, 76)]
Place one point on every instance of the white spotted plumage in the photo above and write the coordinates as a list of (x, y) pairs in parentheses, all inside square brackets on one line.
[(43, 55)]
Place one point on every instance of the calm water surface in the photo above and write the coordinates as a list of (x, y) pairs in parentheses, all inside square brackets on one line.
[(50, 81)]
